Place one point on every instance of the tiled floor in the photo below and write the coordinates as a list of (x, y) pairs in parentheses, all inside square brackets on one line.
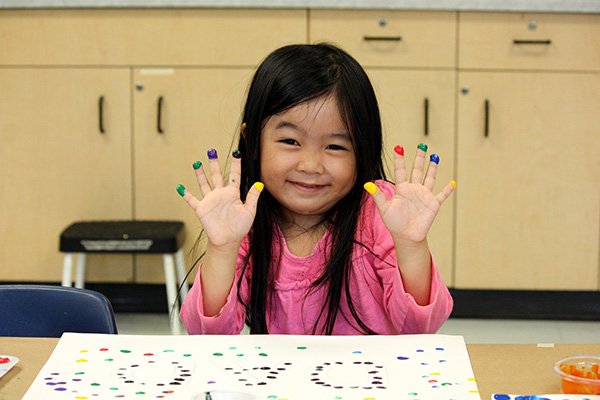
[(473, 330)]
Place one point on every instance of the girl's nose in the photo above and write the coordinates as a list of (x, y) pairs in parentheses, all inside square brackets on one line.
[(310, 162)]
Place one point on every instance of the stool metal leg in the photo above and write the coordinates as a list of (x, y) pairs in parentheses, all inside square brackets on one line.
[(80, 275), (180, 263), (171, 284), (67, 277)]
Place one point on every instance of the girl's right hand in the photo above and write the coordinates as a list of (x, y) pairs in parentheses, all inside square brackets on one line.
[(225, 219)]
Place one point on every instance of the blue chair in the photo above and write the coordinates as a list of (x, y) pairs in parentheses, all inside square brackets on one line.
[(49, 311)]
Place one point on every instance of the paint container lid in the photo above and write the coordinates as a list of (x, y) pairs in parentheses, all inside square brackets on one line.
[(223, 395)]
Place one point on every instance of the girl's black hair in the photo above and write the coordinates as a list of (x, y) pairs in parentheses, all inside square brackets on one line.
[(290, 76)]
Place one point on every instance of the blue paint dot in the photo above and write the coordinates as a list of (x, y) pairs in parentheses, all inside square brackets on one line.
[(357, 352), (439, 348), (501, 397), (402, 358), (420, 351)]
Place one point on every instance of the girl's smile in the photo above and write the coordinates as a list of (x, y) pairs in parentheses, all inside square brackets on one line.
[(307, 159)]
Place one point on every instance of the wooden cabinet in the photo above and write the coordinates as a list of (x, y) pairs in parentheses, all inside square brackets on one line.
[(200, 110), (56, 166), (410, 58), (529, 184), (55, 65), (508, 100)]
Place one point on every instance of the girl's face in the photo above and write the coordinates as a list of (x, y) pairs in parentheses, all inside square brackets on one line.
[(307, 159)]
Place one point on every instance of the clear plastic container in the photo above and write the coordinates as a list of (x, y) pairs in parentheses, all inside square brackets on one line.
[(579, 374)]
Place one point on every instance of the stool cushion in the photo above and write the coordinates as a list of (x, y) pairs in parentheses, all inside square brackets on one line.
[(123, 237)]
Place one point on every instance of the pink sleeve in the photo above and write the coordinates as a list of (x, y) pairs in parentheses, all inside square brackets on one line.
[(406, 315), (229, 321)]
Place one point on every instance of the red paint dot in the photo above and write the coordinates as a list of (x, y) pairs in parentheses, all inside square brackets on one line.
[(148, 354), (4, 360), (104, 349)]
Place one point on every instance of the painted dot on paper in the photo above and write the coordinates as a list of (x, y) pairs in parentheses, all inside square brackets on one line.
[(301, 347), (402, 358), (126, 351)]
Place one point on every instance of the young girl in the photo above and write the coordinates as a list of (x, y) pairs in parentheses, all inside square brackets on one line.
[(314, 253)]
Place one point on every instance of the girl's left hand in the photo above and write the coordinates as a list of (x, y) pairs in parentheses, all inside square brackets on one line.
[(410, 212)]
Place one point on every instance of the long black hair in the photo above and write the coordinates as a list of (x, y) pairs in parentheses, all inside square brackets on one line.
[(289, 76)]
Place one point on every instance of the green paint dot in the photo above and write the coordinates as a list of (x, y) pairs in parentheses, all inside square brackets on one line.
[(446, 384), (109, 359), (337, 397), (188, 355), (168, 351), (301, 347), (422, 146), (114, 388), (181, 190), (95, 384), (412, 394), (217, 354), (126, 351), (140, 393), (79, 373), (233, 348), (257, 347), (197, 164), (272, 397), (240, 355), (262, 354)]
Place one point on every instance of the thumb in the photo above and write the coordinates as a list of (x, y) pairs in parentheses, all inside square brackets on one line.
[(378, 197), (253, 195)]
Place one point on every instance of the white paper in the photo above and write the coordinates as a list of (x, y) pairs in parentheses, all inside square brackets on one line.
[(411, 367)]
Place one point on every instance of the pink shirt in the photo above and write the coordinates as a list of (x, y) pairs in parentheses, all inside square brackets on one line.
[(376, 286)]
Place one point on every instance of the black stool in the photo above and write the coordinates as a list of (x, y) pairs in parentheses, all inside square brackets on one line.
[(140, 237)]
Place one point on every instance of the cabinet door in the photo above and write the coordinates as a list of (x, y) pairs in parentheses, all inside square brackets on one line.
[(408, 121), (56, 167), (200, 109), (528, 198)]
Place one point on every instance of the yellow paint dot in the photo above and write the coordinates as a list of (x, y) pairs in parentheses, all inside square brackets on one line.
[(472, 380), (473, 391), (81, 397), (83, 351), (81, 360), (369, 398), (435, 373)]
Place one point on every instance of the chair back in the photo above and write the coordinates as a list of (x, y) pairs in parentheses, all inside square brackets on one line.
[(49, 311)]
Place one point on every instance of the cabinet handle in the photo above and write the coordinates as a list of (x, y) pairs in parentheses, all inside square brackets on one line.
[(159, 115), (426, 116), (486, 106), (382, 38), (101, 114), (545, 42)]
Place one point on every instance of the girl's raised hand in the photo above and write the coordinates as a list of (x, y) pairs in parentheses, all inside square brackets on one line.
[(225, 219), (409, 214)]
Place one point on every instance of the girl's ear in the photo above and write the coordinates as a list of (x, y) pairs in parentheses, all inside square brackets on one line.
[(244, 130)]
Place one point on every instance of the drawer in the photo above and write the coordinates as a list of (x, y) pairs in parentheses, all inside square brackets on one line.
[(146, 36), (529, 41), (389, 38)]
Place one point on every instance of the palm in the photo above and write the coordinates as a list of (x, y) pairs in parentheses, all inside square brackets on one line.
[(410, 212), (225, 219), (223, 216)]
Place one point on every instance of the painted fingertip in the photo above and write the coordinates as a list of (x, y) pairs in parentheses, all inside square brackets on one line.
[(399, 150), (422, 146), (181, 190), (453, 184), (434, 158), (259, 186), (370, 187), (236, 154), (212, 154), (197, 165)]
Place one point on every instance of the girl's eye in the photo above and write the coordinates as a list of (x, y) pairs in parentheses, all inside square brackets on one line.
[(335, 147), (291, 142)]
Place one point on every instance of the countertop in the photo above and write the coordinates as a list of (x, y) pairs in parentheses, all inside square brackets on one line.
[(563, 6)]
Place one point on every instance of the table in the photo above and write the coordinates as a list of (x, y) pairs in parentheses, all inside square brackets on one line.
[(498, 368)]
